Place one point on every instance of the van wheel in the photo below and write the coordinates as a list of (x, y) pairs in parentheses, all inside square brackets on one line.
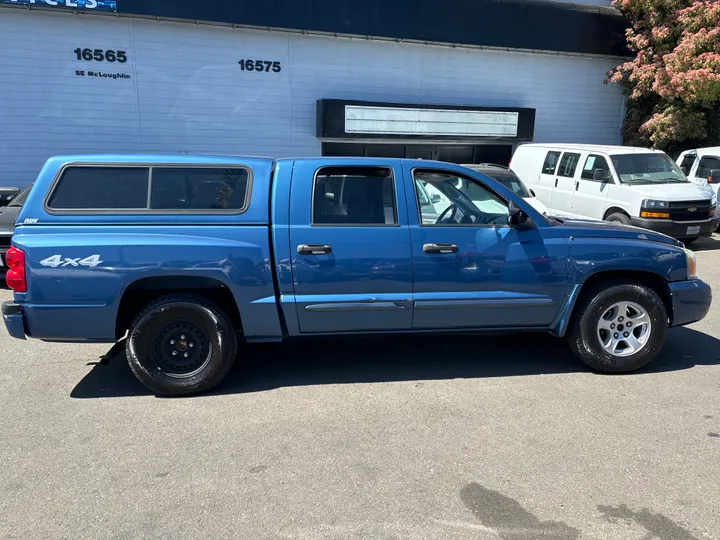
[(180, 345), (619, 329), (619, 218)]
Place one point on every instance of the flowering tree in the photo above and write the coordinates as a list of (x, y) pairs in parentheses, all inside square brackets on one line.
[(673, 84)]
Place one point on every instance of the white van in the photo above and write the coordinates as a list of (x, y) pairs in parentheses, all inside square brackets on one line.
[(633, 186)]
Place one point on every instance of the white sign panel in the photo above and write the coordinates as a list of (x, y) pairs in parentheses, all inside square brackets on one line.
[(409, 121)]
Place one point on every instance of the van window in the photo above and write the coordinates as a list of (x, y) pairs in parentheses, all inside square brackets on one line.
[(101, 188), (354, 196), (568, 164), (551, 161), (592, 164), (197, 188), (687, 163), (707, 165)]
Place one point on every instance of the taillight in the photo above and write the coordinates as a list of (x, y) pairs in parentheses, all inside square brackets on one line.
[(15, 278), (710, 179)]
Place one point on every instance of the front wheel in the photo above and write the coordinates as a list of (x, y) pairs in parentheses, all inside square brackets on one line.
[(619, 329), (619, 217), (180, 345)]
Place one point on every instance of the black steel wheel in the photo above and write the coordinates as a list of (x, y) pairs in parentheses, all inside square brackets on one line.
[(181, 345)]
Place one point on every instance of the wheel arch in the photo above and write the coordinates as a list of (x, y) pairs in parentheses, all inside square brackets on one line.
[(615, 210), (607, 278), (143, 291)]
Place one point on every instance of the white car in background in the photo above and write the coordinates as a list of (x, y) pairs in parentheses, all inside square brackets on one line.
[(702, 166)]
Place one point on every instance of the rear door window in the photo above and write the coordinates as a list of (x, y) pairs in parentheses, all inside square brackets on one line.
[(354, 196), (101, 188), (568, 164), (551, 161)]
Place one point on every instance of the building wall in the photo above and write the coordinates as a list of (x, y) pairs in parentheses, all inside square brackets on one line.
[(182, 89)]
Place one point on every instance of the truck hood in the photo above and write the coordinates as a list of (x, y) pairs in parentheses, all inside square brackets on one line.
[(8, 215), (675, 192), (581, 228)]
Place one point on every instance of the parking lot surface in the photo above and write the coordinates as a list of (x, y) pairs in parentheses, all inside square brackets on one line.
[(397, 438)]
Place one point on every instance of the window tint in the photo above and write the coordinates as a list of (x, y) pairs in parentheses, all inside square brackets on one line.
[(354, 196), (192, 188), (462, 201), (551, 161), (687, 163), (707, 164), (112, 188), (568, 164), (592, 164)]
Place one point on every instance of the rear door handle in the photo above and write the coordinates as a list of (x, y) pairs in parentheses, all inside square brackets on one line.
[(556, 181), (440, 248), (313, 249), (577, 185)]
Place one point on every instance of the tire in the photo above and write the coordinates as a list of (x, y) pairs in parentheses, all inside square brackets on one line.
[(585, 333), (688, 241), (619, 217), (176, 327)]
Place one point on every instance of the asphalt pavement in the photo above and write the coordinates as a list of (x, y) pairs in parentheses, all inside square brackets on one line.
[(480, 438)]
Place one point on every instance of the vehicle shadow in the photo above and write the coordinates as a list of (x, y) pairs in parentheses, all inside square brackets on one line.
[(264, 367), (709, 243)]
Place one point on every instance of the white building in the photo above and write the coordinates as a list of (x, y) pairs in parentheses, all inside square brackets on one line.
[(360, 78)]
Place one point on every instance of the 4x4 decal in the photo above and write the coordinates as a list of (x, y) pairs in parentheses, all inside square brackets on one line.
[(57, 260)]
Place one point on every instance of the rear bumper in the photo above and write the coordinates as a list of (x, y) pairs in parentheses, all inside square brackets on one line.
[(691, 301), (14, 319), (678, 229)]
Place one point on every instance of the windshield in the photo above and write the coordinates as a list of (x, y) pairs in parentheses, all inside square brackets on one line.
[(21, 198), (510, 181), (647, 169)]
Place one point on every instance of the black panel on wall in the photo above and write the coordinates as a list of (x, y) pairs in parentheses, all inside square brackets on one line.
[(524, 24), (330, 114)]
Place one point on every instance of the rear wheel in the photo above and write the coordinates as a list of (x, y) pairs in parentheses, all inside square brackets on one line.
[(620, 328), (180, 345), (619, 217)]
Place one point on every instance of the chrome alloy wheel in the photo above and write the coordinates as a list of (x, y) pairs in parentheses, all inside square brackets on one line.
[(624, 329)]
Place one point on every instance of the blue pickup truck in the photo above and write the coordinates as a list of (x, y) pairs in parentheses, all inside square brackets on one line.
[(182, 259)]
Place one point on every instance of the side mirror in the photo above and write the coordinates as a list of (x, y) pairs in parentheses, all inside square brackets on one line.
[(435, 198), (516, 216), (714, 177), (532, 193), (601, 175)]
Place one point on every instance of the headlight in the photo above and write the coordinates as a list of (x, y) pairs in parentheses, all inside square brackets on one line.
[(691, 264), (651, 203)]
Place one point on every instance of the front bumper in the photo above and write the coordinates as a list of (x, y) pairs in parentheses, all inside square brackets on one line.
[(678, 229), (14, 319), (691, 301)]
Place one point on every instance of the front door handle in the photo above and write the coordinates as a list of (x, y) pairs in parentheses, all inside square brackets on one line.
[(556, 181), (577, 185), (313, 249), (440, 248)]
